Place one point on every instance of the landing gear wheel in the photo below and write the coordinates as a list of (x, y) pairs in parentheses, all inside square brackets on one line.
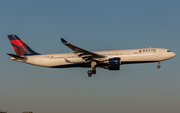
[(158, 66), (89, 73), (94, 71)]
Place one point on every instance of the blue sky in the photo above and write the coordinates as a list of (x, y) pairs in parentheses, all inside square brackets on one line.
[(93, 25)]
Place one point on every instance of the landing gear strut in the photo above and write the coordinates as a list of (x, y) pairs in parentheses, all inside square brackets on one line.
[(159, 66), (93, 69)]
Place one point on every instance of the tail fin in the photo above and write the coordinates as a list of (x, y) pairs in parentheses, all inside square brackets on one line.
[(20, 48)]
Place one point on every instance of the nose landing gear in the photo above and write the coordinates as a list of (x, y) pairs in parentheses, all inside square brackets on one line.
[(159, 66)]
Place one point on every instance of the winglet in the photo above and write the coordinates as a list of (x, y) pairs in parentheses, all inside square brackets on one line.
[(63, 41)]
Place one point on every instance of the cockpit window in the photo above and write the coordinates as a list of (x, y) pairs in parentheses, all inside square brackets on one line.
[(168, 50)]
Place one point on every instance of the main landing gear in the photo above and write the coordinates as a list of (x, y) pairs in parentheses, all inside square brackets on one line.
[(90, 72), (159, 66), (93, 69)]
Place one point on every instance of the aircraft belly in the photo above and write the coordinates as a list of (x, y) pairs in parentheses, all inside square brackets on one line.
[(50, 62)]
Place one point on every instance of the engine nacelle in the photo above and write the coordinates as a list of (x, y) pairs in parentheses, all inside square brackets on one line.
[(114, 63)]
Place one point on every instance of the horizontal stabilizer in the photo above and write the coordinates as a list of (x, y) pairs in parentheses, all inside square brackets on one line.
[(16, 56)]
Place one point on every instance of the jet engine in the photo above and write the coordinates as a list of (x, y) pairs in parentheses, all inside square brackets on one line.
[(113, 63)]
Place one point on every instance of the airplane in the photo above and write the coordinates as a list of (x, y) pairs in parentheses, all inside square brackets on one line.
[(111, 59)]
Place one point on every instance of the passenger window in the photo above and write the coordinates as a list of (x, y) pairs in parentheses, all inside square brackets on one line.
[(168, 50)]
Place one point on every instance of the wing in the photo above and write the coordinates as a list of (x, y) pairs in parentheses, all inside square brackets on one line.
[(84, 54)]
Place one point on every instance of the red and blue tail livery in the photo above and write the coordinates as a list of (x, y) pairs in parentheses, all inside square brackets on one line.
[(20, 48)]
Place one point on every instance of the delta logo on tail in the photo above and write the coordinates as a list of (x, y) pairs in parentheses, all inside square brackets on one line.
[(20, 48)]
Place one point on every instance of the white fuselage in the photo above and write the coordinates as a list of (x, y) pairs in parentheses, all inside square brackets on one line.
[(127, 56)]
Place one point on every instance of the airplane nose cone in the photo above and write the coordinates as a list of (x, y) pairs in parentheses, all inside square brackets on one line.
[(174, 54)]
